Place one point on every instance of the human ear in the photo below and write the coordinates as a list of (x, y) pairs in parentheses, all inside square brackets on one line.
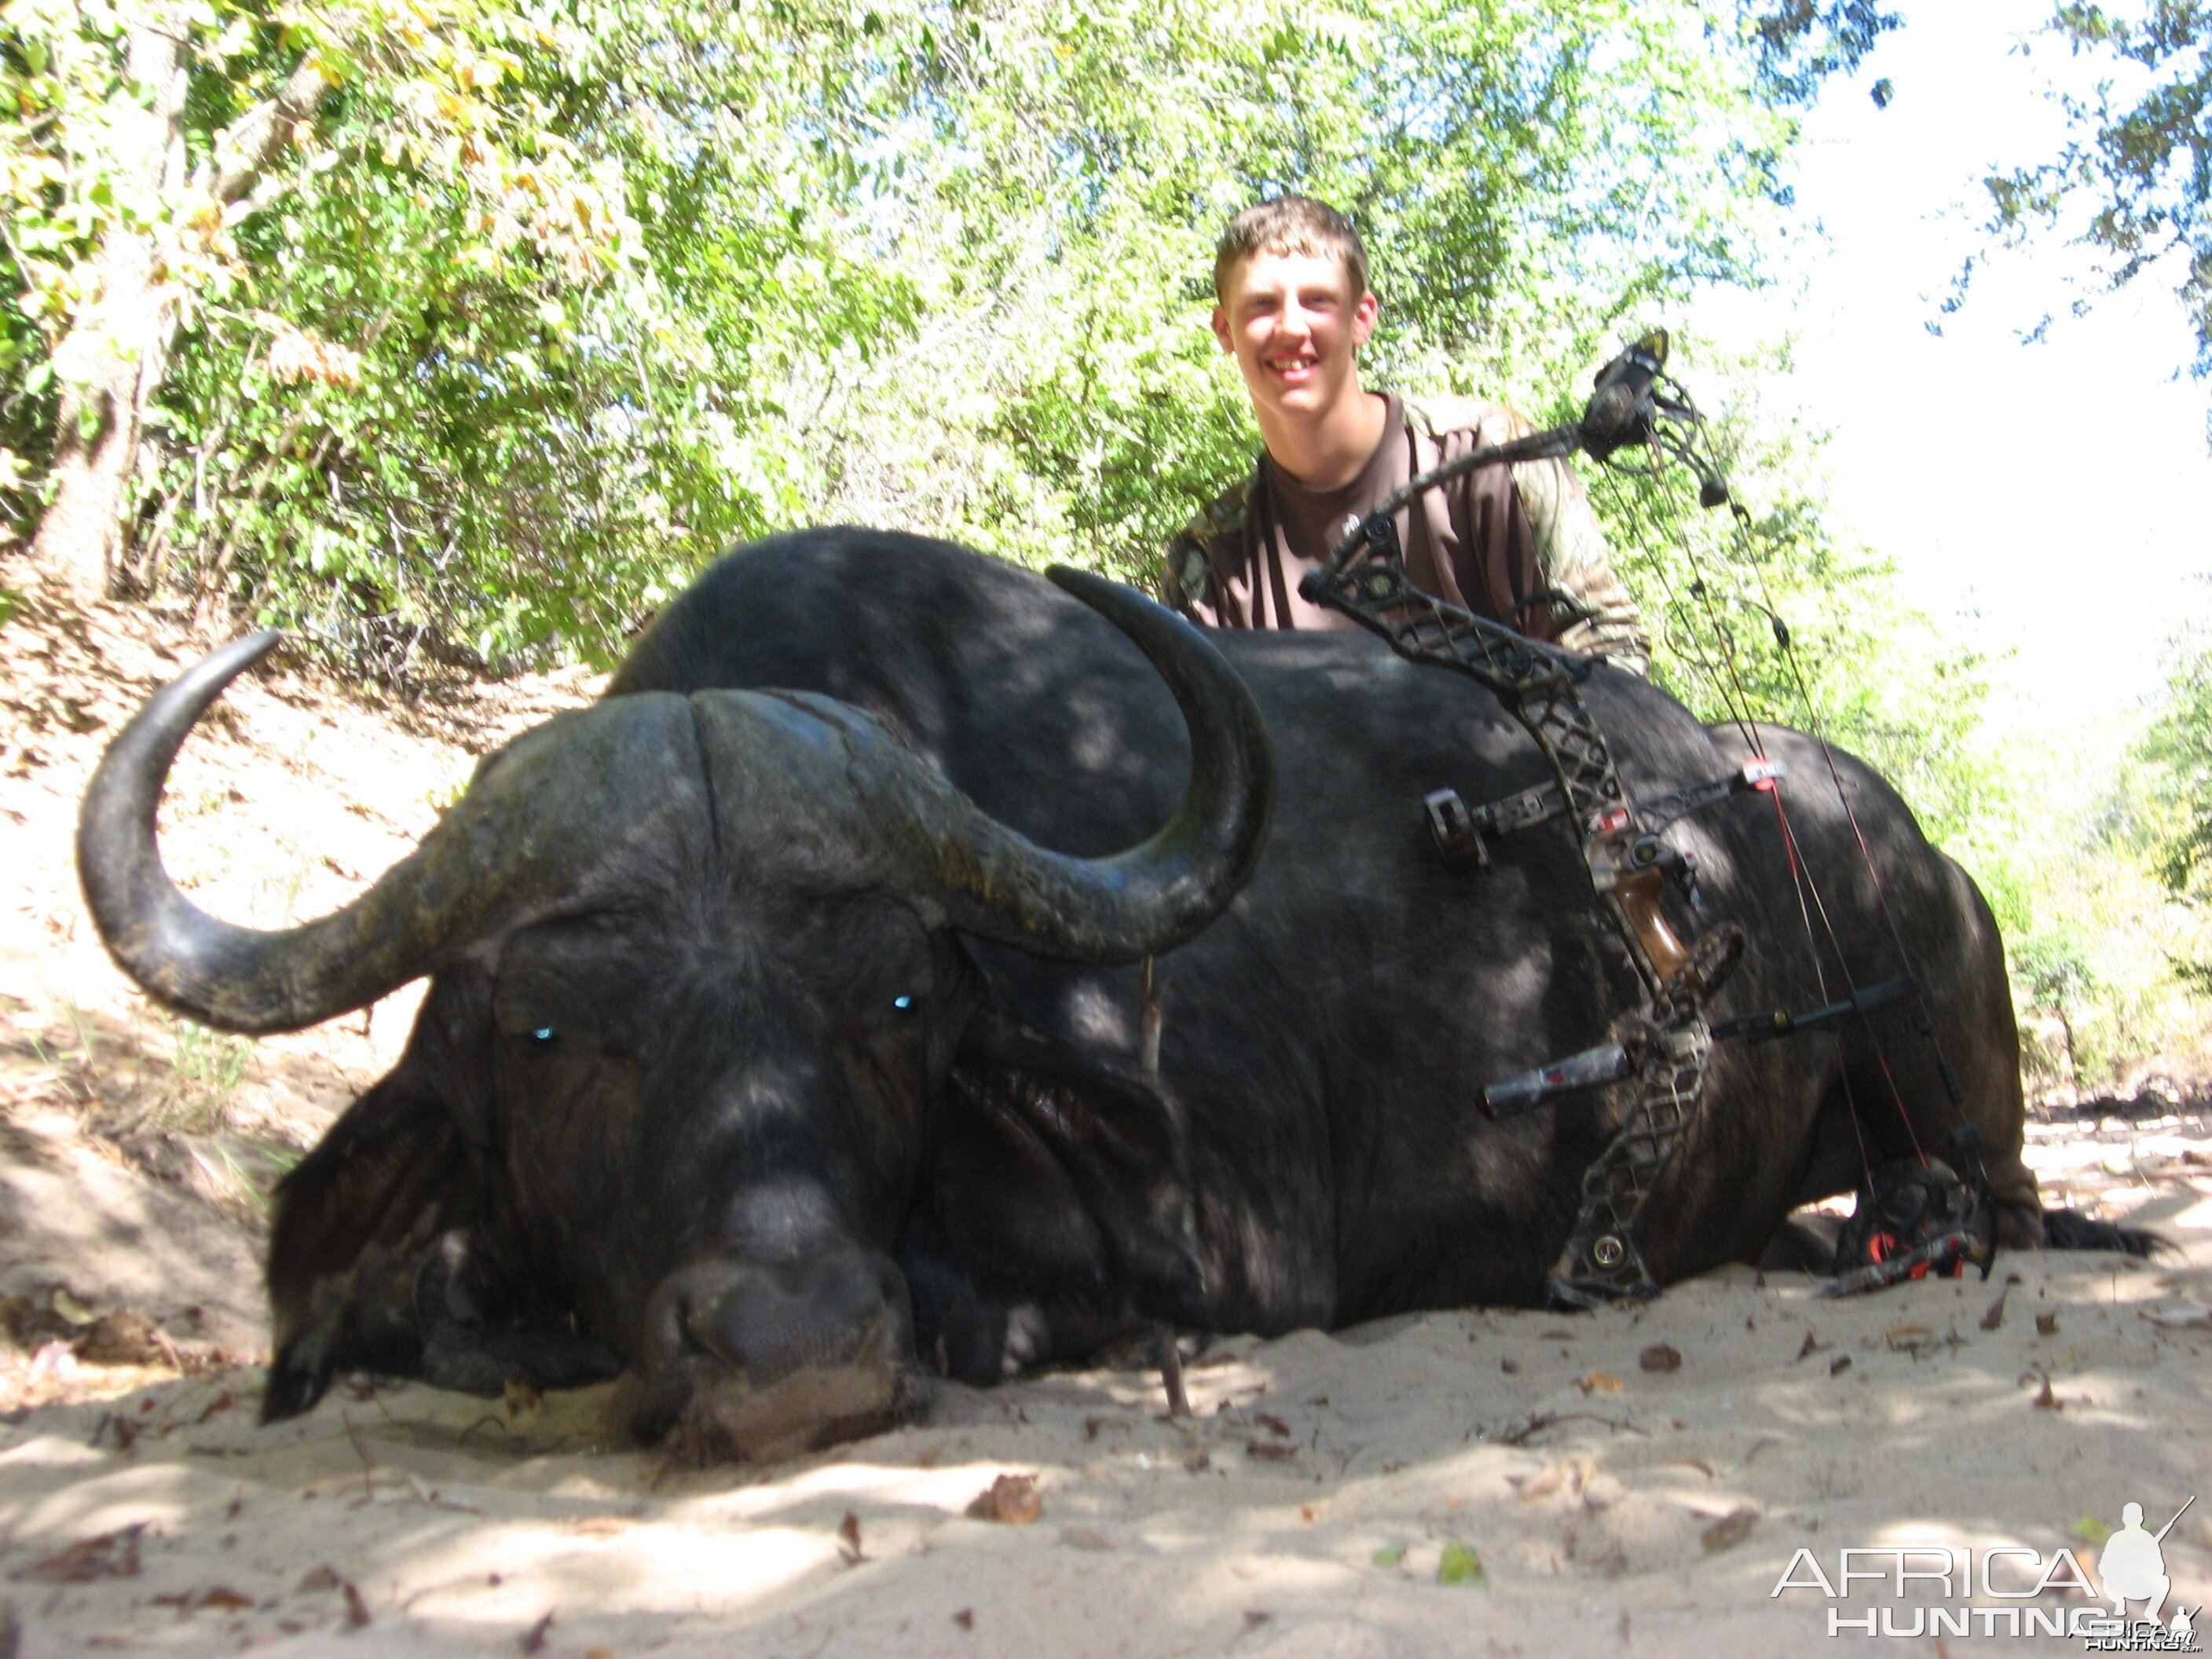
[(1222, 337), (1363, 316)]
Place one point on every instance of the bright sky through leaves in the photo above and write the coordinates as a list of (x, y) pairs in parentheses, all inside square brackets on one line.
[(2062, 488)]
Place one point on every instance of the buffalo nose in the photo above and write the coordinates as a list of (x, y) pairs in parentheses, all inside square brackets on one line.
[(772, 1319)]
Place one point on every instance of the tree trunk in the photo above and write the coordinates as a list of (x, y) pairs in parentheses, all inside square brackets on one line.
[(112, 359)]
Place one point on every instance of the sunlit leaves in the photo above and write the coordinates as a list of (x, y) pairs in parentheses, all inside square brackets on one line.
[(551, 302), (2133, 181)]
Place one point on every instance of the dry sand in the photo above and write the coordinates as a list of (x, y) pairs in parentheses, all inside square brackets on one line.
[(1615, 1505)]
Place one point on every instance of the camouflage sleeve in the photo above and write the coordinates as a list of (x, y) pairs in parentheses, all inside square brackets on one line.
[(1186, 578), (1578, 561), (1190, 582), (1570, 545)]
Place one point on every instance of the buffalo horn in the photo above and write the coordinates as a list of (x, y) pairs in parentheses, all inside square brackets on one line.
[(994, 883), (538, 815)]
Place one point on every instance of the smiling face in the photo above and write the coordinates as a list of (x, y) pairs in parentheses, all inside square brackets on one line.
[(1294, 323)]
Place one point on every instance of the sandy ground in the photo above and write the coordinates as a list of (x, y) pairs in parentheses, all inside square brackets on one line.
[(1627, 1482)]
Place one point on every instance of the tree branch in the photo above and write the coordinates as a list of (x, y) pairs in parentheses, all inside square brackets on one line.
[(260, 135)]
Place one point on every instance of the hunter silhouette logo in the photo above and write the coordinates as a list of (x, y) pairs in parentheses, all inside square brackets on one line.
[(2133, 1566), (2002, 1591)]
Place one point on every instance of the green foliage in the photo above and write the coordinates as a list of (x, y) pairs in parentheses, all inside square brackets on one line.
[(2138, 158), (1459, 1564), (1781, 617), (556, 298), (2178, 744)]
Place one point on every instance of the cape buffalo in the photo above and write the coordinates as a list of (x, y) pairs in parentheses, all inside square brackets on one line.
[(767, 1049)]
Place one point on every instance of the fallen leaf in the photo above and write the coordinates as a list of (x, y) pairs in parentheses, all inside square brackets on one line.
[(1012, 1499), (1812, 1346), (223, 1596), (2046, 1400), (1840, 1364), (1256, 1616), (110, 1555), (357, 1609), (1905, 1337), (1269, 1451), (1571, 1472), (1460, 1565), (318, 1579), (965, 1618), (72, 1310), (2046, 1324), (1508, 1366), (1389, 1555), (1600, 1383), (534, 1641), (1729, 1530), (1309, 1511), (1995, 1317), (848, 1540), (222, 1402), (1660, 1356), (1272, 1424)]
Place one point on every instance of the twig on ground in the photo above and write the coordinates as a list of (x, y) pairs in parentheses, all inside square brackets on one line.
[(1537, 1422), (367, 1469)]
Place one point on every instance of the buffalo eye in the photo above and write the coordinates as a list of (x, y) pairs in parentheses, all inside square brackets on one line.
[(542, 1037), (903, 1003)]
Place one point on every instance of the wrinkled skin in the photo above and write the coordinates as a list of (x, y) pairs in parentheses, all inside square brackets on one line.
[(759, 1141)]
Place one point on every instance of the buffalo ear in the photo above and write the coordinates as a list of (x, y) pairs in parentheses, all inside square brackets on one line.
[(1062, 1178), (357, 1220)]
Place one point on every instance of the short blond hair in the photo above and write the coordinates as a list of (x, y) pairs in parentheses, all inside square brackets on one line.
[(1290, 224)]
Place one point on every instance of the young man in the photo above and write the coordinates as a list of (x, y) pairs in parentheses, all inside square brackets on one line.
[(1520, 546)]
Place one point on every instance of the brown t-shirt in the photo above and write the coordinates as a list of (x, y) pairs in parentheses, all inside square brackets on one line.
[(1468, 543)]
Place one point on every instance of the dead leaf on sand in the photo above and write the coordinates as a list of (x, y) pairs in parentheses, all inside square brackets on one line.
[(1995, 1317), (222, 1597), (1269, 1451), (1729, 1530), (110, 1555), (1600, 1383), (601, 1526), (357, 1609), (1840, 1364), (534, 1640), (1660, 1356), (1013, 1500), (2046, 1324), (848, 1540)]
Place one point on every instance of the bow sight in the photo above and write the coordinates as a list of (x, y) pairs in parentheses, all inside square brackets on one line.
[(1661, 1048)]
